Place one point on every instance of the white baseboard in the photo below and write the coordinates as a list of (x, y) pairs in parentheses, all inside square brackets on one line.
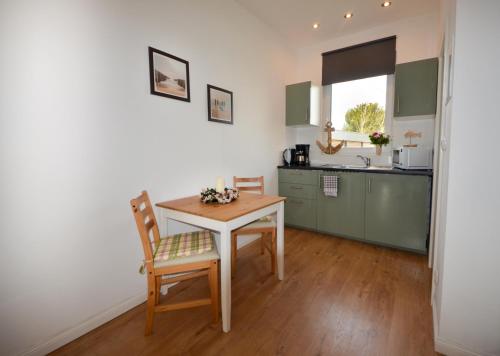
[(449, 348), (88, 325)]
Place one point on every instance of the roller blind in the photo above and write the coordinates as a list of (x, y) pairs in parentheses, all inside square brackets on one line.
[(364, 60)]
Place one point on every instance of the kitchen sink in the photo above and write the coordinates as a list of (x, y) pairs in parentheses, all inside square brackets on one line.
[(354, 166), (380, 167)]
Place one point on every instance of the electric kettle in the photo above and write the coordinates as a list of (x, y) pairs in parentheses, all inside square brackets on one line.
[(289, 156)]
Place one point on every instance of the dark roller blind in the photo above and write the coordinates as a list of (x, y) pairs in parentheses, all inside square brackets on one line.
[(360, 61)]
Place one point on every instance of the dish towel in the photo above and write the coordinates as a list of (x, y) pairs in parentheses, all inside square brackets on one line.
[(330, 186)]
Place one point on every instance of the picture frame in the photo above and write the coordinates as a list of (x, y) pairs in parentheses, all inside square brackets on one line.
[(168, 75), (220, 105)]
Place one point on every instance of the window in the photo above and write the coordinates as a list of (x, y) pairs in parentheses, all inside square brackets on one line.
[(358, 109)]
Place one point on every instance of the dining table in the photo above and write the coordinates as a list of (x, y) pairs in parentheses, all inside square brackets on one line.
[(222, 219)]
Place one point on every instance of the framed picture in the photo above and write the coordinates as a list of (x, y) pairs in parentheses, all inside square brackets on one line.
[(168, 75), (220, 105)]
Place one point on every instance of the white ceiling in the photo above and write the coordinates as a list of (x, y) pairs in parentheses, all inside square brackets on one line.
[(293, 19)]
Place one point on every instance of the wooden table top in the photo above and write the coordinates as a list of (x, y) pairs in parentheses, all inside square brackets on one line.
[(246, 203)]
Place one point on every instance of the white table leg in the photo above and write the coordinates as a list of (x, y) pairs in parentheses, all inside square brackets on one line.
[(225, 278), (281, 240)]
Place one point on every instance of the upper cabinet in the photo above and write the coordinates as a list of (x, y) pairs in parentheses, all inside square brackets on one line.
[(302, 104), (416, 88)]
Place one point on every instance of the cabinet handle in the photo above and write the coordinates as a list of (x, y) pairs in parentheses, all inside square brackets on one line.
[(296, 173), (369, 185), (398, 104), (298, 202), (296, 188)]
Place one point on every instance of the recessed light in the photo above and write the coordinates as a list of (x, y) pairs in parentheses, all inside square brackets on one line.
[(348, 15), (386, 4), (316, 25)]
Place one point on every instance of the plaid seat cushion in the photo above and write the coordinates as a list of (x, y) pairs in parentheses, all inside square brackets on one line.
[(183, 245), (266, 219)]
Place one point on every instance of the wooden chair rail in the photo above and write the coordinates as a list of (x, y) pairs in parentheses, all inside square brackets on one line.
[(184, 277), (183, 305)]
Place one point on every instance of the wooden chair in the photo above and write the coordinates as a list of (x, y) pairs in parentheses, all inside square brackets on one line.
[(162, 261), (265, 226)]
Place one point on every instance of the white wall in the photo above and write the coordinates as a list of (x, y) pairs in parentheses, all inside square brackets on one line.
[(417, 38), (81, 135), (467, 299)]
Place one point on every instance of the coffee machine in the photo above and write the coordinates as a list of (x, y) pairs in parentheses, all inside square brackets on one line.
[(302, 155)]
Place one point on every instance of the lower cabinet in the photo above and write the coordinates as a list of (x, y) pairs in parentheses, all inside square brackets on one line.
[(397, 210), (387, 209), (300, 212), (299, 186), (343, 215)]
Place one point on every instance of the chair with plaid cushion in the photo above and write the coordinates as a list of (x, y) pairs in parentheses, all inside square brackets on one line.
[(189, 254), (265, 226)]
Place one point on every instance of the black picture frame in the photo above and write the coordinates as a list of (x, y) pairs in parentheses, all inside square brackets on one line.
[(210, 107), (174, 83)]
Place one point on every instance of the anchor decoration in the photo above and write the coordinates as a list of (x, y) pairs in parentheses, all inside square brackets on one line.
[(329, 149)]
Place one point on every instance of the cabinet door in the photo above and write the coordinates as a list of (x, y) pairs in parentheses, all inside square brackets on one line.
[(298, 99), (416, 88), (397, 210), (297, 190), (343, 215), (297, 176), (300, 212)]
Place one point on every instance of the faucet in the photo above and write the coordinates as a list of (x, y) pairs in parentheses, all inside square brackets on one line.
[(365, 159)]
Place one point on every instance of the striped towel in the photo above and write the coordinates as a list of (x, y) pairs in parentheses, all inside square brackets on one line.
[(330, 185)]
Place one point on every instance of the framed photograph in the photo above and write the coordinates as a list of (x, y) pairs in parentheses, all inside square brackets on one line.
[(220, 105), (168, 75)]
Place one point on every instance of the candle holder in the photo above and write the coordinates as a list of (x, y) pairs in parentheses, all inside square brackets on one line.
[(210, 195)]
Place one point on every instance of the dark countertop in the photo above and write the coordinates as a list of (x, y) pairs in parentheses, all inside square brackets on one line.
[(360, 169)]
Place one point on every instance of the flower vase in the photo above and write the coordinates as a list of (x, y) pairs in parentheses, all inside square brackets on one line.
[(378, 150)]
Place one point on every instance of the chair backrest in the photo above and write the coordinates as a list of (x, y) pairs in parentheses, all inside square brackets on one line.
[(146, 223), (258, 187)]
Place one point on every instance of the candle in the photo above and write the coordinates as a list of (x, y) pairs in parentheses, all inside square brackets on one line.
[(219, 186)]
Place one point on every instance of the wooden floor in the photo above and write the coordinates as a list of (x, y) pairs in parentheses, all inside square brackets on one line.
[(339, 297)]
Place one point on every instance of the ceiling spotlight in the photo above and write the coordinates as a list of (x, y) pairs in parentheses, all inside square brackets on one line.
[(348, 15), (386, 4), (316, 25)]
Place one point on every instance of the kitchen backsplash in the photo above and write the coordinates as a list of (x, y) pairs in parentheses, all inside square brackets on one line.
[(309, 135)]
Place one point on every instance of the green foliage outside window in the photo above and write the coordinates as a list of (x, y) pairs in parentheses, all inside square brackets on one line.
[(365, 118)]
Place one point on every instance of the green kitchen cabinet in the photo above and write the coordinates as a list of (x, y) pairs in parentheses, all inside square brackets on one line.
[(343, 215), (302, 104), (300, 212), (397, 210), (416, 88), (298, 176), (299, 186)]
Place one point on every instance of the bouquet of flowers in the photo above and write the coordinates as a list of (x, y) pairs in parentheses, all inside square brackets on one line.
[(379, 139), (210, 195)]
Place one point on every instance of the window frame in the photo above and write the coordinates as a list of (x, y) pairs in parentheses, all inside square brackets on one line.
[(389, 114)]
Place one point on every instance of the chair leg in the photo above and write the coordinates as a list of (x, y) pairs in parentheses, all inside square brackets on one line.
[(150, 304), (273, 251), (234, 253), (157, 290), (262, 247), (213, 279)]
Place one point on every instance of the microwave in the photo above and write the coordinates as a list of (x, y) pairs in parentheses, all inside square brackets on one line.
[(412, 158)]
